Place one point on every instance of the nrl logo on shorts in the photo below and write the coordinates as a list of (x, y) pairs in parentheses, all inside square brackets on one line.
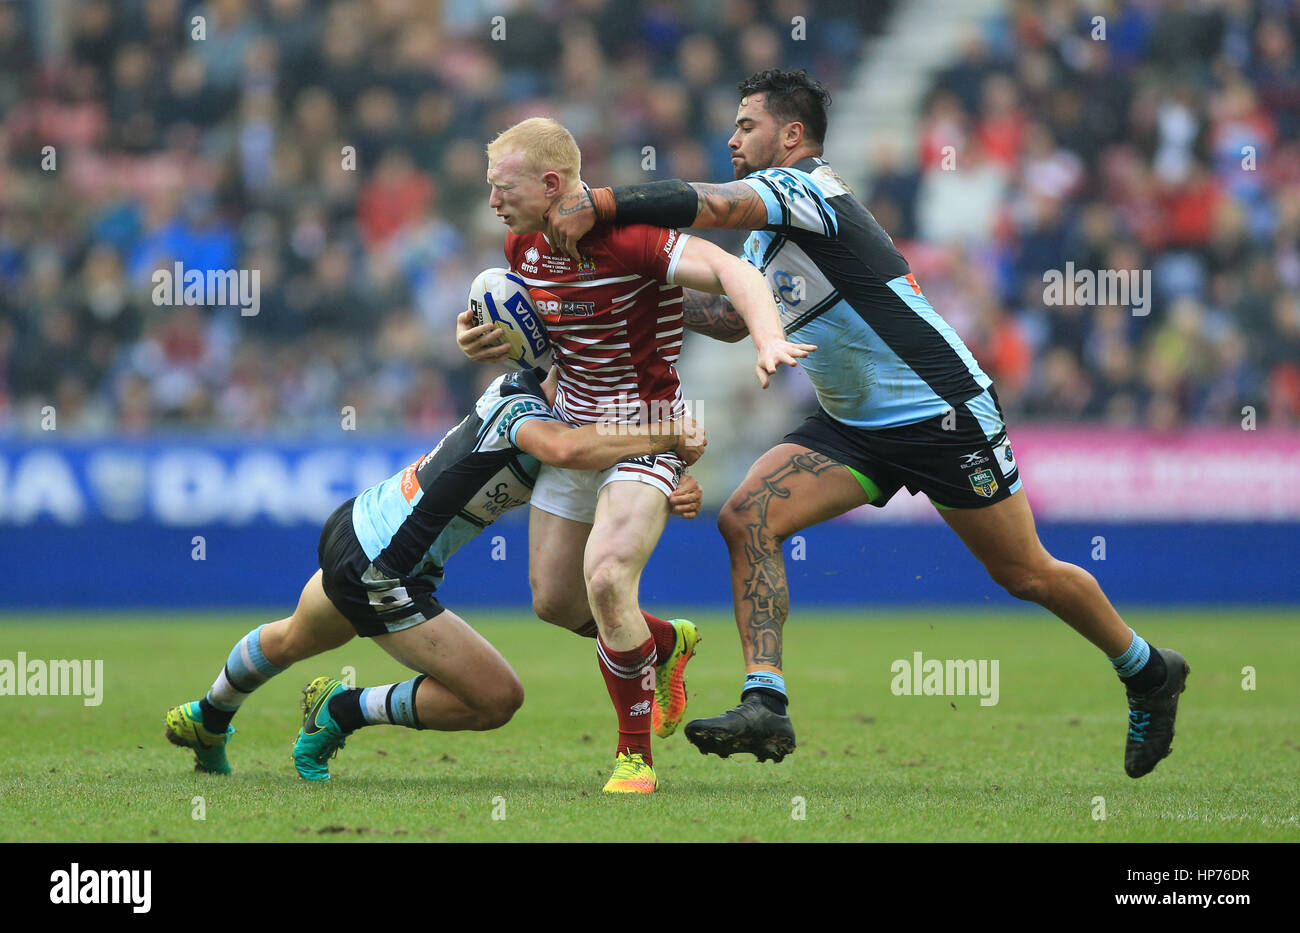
[(982, 482)]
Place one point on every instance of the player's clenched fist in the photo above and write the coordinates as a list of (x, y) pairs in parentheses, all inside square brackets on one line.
[(482, 344), (687, 498)]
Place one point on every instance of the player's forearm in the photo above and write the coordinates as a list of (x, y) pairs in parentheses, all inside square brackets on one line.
[(749, 295), (598, 446), (712, 316), (675, 203)]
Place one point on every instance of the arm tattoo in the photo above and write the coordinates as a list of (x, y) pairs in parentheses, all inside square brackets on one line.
[(574, 204), (735, 206), (712, 316), (764, 603)]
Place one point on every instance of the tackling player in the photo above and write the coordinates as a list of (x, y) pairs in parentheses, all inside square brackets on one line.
[(614, 315), (382, 557), (903, 403)]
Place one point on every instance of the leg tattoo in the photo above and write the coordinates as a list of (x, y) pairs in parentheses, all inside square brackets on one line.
[(765, 600)]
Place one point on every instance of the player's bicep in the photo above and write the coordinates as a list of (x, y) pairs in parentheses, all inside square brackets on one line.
[(697, 266)]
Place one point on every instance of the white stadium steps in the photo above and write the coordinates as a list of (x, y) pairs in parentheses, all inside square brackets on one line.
[(883, 98)]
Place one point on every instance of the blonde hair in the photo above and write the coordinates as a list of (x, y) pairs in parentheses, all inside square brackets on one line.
[(546, 147)]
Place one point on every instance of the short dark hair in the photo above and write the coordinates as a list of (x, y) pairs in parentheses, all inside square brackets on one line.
[(792, 97)]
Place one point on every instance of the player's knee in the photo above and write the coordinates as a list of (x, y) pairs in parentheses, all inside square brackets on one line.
[(499, 705), (1022, 582), (558, 608), (289, 645), (734, 523), (609, 579), (547, 608)]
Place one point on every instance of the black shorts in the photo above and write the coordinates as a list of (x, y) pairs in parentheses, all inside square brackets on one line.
[(375, 601), (961, 459)]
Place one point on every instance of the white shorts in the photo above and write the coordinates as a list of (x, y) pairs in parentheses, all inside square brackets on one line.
[(572, 494)]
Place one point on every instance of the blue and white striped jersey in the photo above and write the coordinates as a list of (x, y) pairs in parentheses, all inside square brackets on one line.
[(885, 357), (413, 521)]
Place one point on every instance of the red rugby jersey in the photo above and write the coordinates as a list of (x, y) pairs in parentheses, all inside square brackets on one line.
[(614, 321)]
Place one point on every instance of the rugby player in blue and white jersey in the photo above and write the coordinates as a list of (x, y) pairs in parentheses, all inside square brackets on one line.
[(383, 556), (902, 403)]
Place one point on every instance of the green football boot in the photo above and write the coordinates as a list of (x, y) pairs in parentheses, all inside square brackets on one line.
[(670, 680), (320, 737), (185, 728)]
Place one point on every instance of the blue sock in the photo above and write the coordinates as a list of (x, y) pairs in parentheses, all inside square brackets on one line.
[(770, 687), (392, 704), (246, 669), (1134, 659)]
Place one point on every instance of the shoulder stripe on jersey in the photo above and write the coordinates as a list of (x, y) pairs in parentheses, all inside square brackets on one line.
[(832, 225), (829, 224), (785, 210)]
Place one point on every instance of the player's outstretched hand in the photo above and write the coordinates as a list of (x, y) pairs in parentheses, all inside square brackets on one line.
[(568, 221), (778, 352), (691, 446), (482, 344), (687, 498)]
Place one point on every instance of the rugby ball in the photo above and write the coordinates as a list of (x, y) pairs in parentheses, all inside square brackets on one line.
[(500, 296)]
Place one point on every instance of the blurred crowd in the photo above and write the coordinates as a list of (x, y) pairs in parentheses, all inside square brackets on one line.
[(1164, 136), (337, 147)]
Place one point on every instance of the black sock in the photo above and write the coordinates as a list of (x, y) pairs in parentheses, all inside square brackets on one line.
[(1151, 677), (769, 698), (345, 707), (215, 720)]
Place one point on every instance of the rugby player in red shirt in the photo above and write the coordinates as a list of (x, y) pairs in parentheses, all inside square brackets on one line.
[(614, 315)]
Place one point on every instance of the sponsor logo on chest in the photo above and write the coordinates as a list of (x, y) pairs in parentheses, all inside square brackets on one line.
[(553, 308)]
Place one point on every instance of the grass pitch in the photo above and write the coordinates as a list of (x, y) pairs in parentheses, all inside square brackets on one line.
[(871, 766)]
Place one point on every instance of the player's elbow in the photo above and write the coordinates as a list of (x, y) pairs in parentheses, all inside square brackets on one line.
[(572, 454), (560, 449)]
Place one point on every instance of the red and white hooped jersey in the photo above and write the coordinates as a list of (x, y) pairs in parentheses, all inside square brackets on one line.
[(614, 319)]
